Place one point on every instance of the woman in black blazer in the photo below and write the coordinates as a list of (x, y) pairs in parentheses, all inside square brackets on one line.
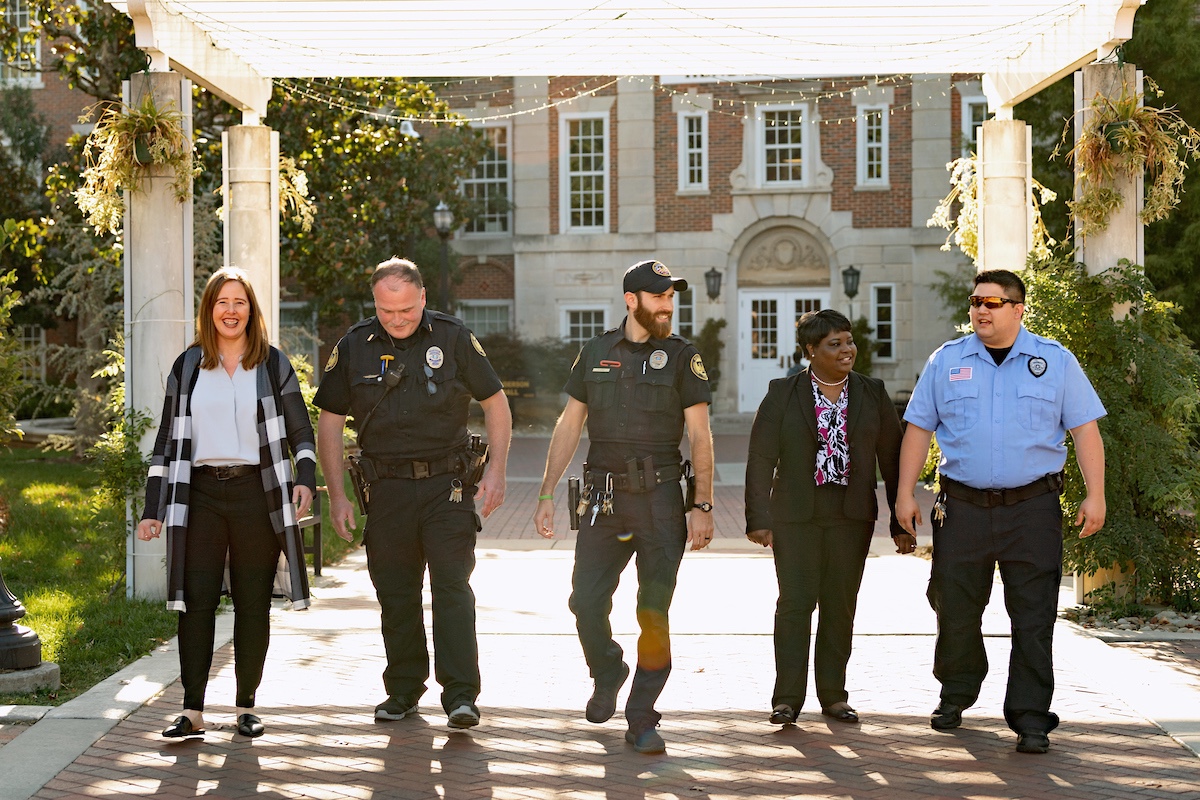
[(810, 496)]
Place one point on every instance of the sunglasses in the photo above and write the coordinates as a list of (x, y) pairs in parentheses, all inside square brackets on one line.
[(990, 302), (430, 386)]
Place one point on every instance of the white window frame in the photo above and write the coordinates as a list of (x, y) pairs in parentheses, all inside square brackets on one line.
[(967, 123), (32, 339), (680, 305), (564, 175), (685, 150), (864, 147), (565, 317), (875, 306), (472, 303), (507, 182), (31, 80), (806, 144)]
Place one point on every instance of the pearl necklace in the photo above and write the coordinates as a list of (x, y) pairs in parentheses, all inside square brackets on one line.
[(827, 383)]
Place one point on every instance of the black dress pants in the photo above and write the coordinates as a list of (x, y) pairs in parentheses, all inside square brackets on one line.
[(1025, 539), (819, 564), (652, 526), (227, 517), (412, 525)]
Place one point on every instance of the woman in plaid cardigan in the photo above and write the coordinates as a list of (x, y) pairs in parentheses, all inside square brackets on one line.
[(221, 484)]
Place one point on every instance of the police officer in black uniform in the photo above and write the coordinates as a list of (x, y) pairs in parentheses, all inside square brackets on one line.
[(637, 386), (407, 375)]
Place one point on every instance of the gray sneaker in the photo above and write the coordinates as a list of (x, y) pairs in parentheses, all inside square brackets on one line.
[(463, 717), (648, 741), (393, 709)]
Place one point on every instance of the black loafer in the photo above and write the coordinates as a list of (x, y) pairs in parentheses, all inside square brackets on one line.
[(946, 717), (250, 725), (843, 714), (1033, 742), (783, 714), (182, 728)]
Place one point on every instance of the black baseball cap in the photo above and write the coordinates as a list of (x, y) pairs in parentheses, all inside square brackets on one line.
[(652, 276)]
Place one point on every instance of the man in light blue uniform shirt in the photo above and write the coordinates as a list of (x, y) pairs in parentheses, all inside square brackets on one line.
[(1001, 402)]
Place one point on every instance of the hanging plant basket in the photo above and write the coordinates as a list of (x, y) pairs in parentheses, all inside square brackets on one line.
[(1125, 137), (126, 145)]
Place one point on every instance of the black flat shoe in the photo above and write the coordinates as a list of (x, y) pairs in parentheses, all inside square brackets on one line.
[(250, 725), (182, 728), (843, 714), (945, 717), (783, 714)]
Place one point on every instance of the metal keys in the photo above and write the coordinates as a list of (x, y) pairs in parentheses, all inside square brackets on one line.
[(603, 503), (585, 497), (939, 508), (607, 506), (456, 491)]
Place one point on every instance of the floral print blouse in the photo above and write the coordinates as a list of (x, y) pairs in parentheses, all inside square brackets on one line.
[(833, 450)]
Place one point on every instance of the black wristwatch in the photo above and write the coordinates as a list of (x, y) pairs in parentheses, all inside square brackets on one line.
[(706, 507)]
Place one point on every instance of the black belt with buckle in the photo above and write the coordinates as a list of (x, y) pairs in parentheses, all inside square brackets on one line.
[(638, 476), (990, 498), (374, 469), (227, 472)]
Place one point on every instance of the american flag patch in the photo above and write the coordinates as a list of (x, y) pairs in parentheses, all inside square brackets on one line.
[(960, 374)]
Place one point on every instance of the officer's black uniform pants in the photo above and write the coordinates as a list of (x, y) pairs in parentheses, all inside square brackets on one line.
[(817, 563), (412, 524), (1026, 540), (652, 526), (229, 516)]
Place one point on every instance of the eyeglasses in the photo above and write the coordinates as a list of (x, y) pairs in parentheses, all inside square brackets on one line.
[(430, 386), (991, 302)]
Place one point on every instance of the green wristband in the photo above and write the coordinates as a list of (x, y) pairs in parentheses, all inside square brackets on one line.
[(545, 497)]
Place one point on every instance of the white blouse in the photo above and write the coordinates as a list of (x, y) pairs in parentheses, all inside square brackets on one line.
[(225, 417)]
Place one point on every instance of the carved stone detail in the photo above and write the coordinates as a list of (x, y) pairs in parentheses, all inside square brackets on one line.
[(783, 257)]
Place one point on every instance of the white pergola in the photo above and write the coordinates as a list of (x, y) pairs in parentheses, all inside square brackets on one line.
[(236, 48)]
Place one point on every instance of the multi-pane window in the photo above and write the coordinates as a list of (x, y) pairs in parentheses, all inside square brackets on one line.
[(872, 145), (33, 352), (490, 188), (764, 329), (298, 332), (974, 112), (783, 145), (486, 316), (583, 324), (883, 320), (16, 14), (585, 173), (685, 313), (693, 152)]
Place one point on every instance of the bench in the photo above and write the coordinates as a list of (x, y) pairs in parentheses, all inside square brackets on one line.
[(313, 520)]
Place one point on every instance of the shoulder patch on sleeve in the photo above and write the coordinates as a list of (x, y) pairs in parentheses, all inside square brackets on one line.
[(478, 346), (333, 359), (697, 365)]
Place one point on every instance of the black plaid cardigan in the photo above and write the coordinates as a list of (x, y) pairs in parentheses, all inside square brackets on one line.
[(283, 423)]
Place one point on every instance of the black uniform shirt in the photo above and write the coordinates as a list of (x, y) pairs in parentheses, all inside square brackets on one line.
[(636, 394), (425, 415)]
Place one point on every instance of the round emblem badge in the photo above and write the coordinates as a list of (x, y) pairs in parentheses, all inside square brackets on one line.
[(698, 367), (434, 357), (333, 357), (658, 359), (661, 269), (1037, 367), (478, 346)]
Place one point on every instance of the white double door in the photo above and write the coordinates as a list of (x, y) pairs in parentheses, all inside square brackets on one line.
[(767, 337)]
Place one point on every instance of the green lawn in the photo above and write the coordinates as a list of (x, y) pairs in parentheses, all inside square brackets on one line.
[(65, 562)]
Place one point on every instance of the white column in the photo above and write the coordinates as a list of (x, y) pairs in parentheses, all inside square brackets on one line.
[(250, 161), (1125, 235), (159, 303), (1005, 216)]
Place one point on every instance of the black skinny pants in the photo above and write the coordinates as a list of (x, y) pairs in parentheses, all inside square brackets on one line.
[(229, 516)]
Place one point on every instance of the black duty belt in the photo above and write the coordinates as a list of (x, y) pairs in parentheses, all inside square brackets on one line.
[(638, 476), (225, 473), (990, 498), (409, 468)]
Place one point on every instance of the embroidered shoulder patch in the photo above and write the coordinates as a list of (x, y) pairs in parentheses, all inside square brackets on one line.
[(478, 346), (698, 367), (333, 358)]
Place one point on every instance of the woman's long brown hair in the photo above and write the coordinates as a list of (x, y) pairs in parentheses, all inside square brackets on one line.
[(258, 344)]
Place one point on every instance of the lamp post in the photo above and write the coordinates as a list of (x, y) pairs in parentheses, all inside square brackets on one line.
[(712, 283), (443, 220), (850, 276), (20, 647)]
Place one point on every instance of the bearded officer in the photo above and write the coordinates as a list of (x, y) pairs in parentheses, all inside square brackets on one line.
[(637, 387), (408, 375)]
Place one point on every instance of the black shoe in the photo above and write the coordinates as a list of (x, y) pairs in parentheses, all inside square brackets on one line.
[(250, 725), (463, 717), (946, 717), (1033, 742), (783, 714), (394, 709), (603, 702), (841, 712), (182, 728), (648, 741)]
